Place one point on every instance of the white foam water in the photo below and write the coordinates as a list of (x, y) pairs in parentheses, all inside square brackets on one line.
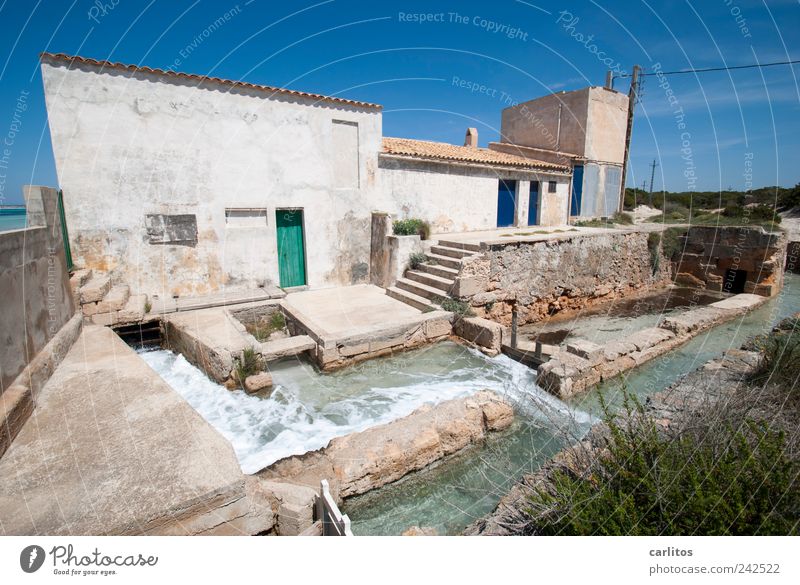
[(308, 409)]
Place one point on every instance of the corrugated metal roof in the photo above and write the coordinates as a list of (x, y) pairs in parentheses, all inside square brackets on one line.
[(70, 59), (450, 152)]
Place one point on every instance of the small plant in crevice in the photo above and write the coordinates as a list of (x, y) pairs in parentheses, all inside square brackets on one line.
[(461, 308), (247, 364), (147, 306), (416, 260), (654, 247)]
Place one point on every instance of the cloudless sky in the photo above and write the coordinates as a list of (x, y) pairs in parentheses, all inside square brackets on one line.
[(373, 51)]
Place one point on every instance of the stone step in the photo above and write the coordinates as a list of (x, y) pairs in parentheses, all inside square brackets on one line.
[(445, 261), (445, 284), (419, 289), (439, 270), (115, 299), (460, 245), (79, 278), (95, 288), (451, 252), (290, 346), (409, 298)]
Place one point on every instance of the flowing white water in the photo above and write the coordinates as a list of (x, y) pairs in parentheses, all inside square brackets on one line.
[(308, 409)]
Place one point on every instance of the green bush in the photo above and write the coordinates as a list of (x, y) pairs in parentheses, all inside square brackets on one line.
[(460, 308), (622, 218), (416, 259), (412, 227), (247, 364), (719, 482), (780, 358)]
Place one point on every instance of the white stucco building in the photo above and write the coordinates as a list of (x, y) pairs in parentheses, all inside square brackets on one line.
[(181, 184)]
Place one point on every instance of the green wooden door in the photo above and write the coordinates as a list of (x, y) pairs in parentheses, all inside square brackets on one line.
[(291, 256)]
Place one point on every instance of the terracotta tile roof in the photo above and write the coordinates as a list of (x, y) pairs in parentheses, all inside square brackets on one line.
[(161, 72), (450, 152)]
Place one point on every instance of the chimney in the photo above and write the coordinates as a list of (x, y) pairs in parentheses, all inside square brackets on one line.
[(471, 139)]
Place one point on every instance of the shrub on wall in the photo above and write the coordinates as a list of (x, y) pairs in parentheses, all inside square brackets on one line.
[(412, 227)]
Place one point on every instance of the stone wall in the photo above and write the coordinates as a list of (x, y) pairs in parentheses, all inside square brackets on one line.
[(360, 462), (37, 305), (707, 254), (582, 363), (558, 275)]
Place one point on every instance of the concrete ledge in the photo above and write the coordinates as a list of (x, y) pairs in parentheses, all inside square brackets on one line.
[(360, 462), (19, 400)]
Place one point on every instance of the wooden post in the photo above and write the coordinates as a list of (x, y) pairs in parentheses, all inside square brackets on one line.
[(628, 132), (538, 353), (514, 325)]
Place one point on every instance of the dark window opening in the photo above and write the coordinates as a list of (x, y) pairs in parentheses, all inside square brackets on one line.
[(551, 186), (734, 281)]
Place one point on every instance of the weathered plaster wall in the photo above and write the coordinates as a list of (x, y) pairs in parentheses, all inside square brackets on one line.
[(606, 125), (557, 275), (131, 144), (707, 253), (34, 285), (535, 123), (454, 198)]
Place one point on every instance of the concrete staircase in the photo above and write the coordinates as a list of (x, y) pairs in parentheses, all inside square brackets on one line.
[(424, 286), (104, 303)]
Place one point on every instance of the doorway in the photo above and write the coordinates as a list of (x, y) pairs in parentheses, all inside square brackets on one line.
[(734, 281), (533, 204), (577, 190), (506, 202), (291, 247)]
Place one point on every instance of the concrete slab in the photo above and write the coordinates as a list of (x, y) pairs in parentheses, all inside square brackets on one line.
[(112, 449), (222, 299), (344, 311)]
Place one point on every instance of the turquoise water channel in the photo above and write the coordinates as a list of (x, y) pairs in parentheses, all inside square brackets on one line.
[(459, 490)]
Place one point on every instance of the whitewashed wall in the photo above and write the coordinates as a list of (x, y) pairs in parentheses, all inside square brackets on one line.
[(454, 198), (128, 144)]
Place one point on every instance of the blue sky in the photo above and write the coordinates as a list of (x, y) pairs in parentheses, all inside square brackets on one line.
[(734, 123)]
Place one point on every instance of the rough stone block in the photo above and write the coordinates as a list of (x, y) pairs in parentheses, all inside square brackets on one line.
[(95, 289), (115, 299), (105, 319), (480, 331), (437, 327), (133, 311), (258, 382), (587, 350)]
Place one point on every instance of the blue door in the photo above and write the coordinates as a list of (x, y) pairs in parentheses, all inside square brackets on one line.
[(506, 202), (533, 204), (577, 190)]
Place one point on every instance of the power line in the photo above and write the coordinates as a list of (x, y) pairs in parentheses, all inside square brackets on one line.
[(621, 75)]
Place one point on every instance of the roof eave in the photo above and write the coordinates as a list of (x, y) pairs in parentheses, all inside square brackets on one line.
[(563, 171), (70, 60)]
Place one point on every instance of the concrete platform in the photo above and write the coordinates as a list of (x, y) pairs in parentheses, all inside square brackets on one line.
[(534, 233), (111, 449), (354, 323), (343, 311)]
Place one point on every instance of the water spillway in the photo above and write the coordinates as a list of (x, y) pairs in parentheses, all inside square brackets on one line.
[(307, 408)]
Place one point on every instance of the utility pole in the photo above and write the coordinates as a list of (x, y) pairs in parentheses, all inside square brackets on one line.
[(631, 105), (652, 176)]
